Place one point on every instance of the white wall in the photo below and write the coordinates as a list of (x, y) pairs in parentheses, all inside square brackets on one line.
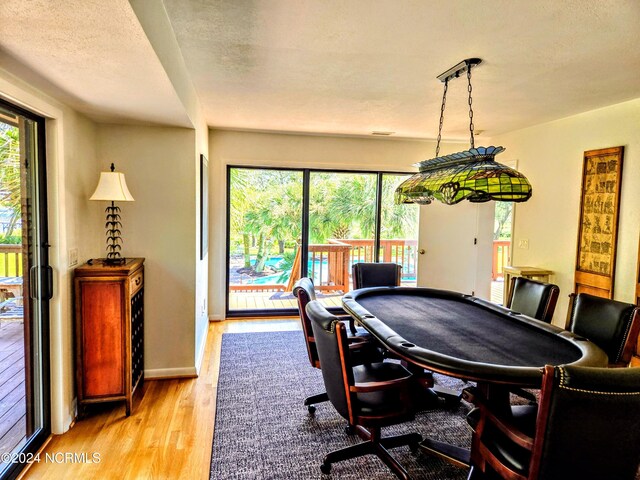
[(299, 151), (202, 265), (551, 156), (157, 27), (160, 167)]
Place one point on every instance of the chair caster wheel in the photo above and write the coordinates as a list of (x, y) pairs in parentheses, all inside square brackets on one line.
[(325, 468), (350, 430), (311, 409), (414, 447)]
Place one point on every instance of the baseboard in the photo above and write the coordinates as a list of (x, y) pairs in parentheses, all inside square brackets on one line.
[(165, 373), (216, 318), (203, 344)]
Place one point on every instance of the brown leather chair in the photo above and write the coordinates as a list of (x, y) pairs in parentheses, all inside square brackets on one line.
[(534, 299), (587, 426), (369, 396), (360, 340), (613, 326), (365, 275)]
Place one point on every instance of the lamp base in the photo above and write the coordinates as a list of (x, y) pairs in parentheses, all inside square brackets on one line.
[(114, 261)]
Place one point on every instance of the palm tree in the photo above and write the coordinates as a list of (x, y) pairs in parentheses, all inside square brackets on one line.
[(10, 174)]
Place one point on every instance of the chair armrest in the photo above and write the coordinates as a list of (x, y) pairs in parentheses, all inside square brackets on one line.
[(367, 387), (511, 431), (351, 320)]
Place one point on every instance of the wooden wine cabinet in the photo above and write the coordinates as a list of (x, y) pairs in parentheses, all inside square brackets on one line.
[(109, 331)]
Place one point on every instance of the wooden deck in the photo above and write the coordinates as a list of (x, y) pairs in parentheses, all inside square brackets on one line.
[(239, 300), (12, 386), (275, 300)]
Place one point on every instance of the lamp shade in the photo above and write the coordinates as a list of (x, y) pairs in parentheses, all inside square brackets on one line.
[(472, 175), (112, 187)]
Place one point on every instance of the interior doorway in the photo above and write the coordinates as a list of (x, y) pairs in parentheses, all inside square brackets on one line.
[(502, 236)]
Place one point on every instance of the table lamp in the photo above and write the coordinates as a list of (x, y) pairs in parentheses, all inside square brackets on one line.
[(112, 187)]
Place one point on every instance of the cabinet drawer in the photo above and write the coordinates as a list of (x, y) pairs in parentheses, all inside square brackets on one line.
[(135, 282)]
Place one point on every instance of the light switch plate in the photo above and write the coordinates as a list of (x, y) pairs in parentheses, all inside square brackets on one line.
[(73, 257)]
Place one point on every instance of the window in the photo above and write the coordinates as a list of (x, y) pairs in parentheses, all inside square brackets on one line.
[(286, 223)]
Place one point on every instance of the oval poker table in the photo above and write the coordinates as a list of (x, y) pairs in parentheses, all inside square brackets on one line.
[(469, 338), (466, 337)]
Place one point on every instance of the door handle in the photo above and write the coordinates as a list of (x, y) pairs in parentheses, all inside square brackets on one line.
[(46, 280), (421, 251)]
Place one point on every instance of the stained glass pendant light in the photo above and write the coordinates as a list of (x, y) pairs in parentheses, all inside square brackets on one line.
[(473, 175)]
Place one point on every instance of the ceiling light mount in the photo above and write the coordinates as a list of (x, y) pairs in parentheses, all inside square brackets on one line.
[(471, 175), (459, 69)]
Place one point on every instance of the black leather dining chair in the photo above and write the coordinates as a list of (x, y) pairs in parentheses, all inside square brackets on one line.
[(369, 396), (363, 348), (613, 326), (532, 298), (587, 426), (380, 274)]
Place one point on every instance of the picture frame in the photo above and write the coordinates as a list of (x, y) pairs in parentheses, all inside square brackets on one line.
[(598, 221), (204, 206)]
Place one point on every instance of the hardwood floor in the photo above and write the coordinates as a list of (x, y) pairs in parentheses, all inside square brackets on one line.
[(170, 430)]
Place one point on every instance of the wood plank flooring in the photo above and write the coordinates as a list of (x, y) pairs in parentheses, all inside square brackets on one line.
[(169, 433), (273, 300), (12, 388)]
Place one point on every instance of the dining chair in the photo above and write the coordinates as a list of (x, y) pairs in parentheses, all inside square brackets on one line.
[(587, 426), (379, 274), (370, 396), (537, 300), (612, 325), (532, 298), (361, 341)]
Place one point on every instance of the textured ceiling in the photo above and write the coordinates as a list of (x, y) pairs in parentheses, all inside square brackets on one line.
[(93, 55), (342, 67), (356, 66)]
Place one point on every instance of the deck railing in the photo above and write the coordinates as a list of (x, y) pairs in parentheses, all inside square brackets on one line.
[(330, 263), (501, 255), (10, 260), (400, 251)]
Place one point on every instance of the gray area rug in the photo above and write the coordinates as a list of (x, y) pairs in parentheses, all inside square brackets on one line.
[(263, 431)]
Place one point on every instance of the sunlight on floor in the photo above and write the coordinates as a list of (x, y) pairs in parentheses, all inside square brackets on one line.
[(271, 325)]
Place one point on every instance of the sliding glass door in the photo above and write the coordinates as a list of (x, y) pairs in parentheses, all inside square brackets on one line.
[(398, 230), (265, 226), (342, 227), (25, 288), (284, 224)]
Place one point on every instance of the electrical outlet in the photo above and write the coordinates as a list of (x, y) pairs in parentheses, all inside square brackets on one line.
[(73, 257), (523, 243)]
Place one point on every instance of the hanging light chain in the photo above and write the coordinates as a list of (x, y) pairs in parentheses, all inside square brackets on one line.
[(444, 101), (470, 88)]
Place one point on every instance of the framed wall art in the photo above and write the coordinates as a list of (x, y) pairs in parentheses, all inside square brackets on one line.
[(598, 223)]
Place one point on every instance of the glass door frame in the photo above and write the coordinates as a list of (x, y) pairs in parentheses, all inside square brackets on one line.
[(41, 287), (306, 177)]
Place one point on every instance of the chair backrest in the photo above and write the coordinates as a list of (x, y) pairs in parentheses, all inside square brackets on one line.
[(333, 350), (612, 325), (367, 275), (532, 298), (588, 425), (305, 293)]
